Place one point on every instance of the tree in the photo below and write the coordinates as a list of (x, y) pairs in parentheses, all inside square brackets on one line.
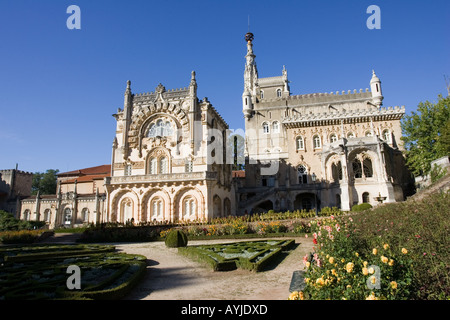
[(426, 134), (235, 143), (44, 182)]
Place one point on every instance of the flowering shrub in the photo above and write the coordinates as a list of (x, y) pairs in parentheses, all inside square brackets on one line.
[(396, 251)]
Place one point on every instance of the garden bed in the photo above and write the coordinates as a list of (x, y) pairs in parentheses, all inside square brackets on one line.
[(40, 272), (251, 255)]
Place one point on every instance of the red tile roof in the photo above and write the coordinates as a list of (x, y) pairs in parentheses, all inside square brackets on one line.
[(98, 170)]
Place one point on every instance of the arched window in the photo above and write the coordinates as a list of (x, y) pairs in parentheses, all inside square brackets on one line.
[(276, 127), (47, 215), (160, 129), (336, 171), (157, 206), (386, 135), (357, 170), (367, 165), (189, 207), (67, 216), (316, 142), (85, 215), (163, 165), (351, 135), (365, 197), (27, 215), (126, 210), (300, 143), (266, 128), (153, 169), (302, 174), (369, 134), (333, 138), (278, 93)]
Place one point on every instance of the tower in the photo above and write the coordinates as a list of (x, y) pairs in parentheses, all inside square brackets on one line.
[(250, 78), (375, 88)]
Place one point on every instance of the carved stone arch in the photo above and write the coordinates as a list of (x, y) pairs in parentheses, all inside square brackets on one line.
[(332, 162), (158, 153), (116, 197), (178, 203), (146, 203)]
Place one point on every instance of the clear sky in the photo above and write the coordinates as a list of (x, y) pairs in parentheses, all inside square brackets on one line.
[(60, 87)]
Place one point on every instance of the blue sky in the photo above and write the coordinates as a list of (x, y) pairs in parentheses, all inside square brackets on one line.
[(60, 87)]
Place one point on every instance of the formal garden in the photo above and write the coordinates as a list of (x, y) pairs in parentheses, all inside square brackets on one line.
[(40, 271)]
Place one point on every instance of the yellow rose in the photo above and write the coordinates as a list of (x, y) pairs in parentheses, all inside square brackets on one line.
[(384, 259), (372, 296), (391, 262), (293, 295), (331, 260), (374, 251), (365, 263), (386, 246), (307, 264), (393, 285), (349, 267), (342, 260), (333, 272), (371, 270), (373, 279), (357, 254), (365, 271), (404, 251)]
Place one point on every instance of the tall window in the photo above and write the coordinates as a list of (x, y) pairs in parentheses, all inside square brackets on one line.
[(387, 136), (157, 208), (357, 170), (189, 207), (266, 128), (336, 171), (128, 169), (300, 143), (126, 210), (67, 216), (276, 127), (367, 165), (85, 215), (153, 166), (279, 93), (27, 215), (262, 94), (163, 165), (189, 166), (316, 142), (47, 215), (333, 138), (302, 174)]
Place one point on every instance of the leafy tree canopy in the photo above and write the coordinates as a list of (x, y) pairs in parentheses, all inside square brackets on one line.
[(44, 182), (426, 134)]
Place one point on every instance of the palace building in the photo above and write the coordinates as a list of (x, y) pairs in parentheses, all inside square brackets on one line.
[(170, 161)]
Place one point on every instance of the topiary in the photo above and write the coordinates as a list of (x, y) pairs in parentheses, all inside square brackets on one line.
[(176, 238), (361, 207)]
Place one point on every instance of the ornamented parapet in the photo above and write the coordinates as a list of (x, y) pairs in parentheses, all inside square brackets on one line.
[(325, 118), (165, 177)]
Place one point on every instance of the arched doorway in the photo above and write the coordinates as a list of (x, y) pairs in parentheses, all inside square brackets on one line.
[(306, 201), (263, 207)]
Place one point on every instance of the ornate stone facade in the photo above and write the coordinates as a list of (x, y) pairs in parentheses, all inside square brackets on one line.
[(320, 149)]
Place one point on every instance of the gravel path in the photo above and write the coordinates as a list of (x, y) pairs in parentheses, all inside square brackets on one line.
[(171, 276)]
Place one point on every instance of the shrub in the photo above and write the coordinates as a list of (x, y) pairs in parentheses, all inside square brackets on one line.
[(176, 239), (22, 236), (361, 207)]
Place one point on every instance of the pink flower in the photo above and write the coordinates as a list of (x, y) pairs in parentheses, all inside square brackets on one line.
[(306, 235)]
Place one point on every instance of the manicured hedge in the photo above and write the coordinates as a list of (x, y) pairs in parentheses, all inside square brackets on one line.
[(251, 255), (40, 272)]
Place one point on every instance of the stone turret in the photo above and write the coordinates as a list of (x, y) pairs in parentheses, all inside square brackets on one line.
[(375, 88)]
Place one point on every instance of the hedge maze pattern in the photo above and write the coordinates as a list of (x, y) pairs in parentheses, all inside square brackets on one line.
[(250, 255), (40, 272)]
